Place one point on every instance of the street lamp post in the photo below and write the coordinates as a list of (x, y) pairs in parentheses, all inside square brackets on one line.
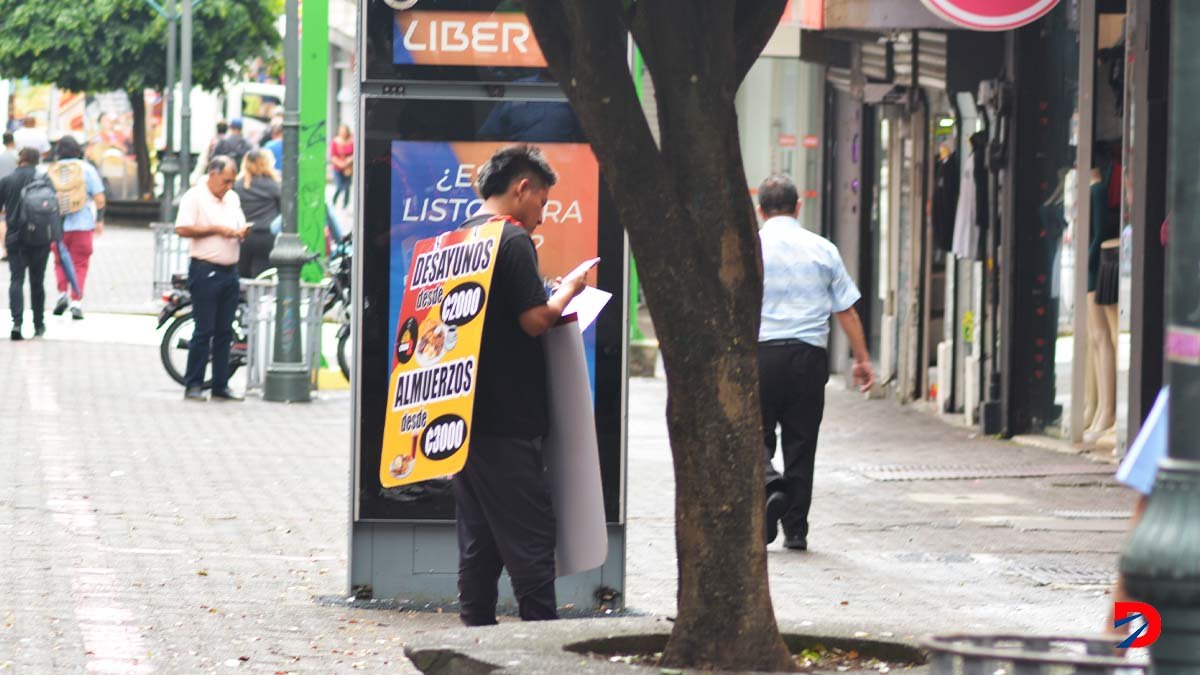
[(169, 162), (287, 376), (185, 111), (1161, 562)]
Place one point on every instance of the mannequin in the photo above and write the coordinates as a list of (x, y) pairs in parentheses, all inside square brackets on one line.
[(1103, 283)]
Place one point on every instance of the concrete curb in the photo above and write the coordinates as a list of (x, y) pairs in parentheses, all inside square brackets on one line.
[(539, 649)]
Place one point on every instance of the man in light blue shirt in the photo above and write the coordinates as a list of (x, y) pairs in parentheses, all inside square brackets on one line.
[(804, 284)]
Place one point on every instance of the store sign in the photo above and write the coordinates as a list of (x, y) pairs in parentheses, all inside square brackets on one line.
[(432, 393), (811, 141), (787, 140), (990, 15), (444, 38)]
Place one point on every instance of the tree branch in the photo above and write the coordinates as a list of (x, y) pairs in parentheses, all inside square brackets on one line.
[(586, 47), (755, 23)]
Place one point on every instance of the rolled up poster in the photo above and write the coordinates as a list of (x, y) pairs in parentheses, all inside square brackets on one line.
[(572, 453)]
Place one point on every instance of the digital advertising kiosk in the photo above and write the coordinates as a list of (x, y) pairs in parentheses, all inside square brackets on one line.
[(443, 84)]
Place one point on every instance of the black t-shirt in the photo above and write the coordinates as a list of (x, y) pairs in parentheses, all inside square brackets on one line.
[(10, 198), (510, 392), (260, 201)]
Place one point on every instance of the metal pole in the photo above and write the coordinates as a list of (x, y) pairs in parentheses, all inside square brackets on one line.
[(185, 115), (168, 163), (1161, 562), (287, 376)]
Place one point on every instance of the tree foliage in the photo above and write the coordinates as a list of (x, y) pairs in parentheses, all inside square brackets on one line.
[(102, 45)]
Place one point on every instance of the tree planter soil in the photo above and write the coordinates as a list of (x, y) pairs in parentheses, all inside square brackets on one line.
[(812, 654)]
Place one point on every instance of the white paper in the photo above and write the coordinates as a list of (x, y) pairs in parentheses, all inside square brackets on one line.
[(587, 305), (572, 454)]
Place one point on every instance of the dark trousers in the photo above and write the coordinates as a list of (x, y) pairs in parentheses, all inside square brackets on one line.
[(505, 519), (33, 259), (792, 386), (256, 252), (214, 302)]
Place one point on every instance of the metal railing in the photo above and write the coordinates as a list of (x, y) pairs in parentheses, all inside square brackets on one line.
[(962, 654), (259, 323), (171, 256)]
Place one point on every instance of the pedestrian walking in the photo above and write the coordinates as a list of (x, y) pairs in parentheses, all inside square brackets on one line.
[(31, 136), (275, 145), (258, 190), (8, 164), (233, 144), (222, 130), (24, 255), (81, 203), (210, 214), (505, 518), (804, 284), (8, 156), (341, 158)]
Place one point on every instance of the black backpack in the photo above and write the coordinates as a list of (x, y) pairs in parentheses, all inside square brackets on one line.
[(235, 147), (38, 218)]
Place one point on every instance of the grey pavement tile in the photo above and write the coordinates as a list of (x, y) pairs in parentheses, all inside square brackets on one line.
[(142, 533)]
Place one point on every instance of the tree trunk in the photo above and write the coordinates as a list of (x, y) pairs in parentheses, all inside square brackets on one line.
[(137, 101), (692, 228)]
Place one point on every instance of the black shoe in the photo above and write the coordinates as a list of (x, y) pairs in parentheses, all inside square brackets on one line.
[(39, 331), (77, 313), (15, 335), (776, 505), (193, 394), (61, 305), (226, 395), (795, 543)]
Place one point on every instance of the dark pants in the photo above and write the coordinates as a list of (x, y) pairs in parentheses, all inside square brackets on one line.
[(792, 386), (505, 519), (341, 184), (33, 259), (214, 302), (255, 255)]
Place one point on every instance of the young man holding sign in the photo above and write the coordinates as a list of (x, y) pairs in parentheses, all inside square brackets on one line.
[(505, 517)]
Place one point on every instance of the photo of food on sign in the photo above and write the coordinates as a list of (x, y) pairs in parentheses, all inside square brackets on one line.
[(432, 392)]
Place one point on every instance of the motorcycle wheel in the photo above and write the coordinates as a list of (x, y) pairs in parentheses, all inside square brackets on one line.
[(174, 347), (174, 350), (344, 353)]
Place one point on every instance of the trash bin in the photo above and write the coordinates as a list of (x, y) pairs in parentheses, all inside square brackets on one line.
[(964, 654), (259, 320)]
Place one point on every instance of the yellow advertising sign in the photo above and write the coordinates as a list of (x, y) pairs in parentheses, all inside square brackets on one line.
[(432, 392)]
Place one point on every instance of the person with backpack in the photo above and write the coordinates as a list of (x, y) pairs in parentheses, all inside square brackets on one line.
[(79, 187), (28, 248), (234, 145)]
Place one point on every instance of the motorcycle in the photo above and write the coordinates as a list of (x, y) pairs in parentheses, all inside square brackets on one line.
[(338, 299), (175, 341)]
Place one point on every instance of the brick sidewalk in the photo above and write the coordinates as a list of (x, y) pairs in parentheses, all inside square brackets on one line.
[(144, 534)]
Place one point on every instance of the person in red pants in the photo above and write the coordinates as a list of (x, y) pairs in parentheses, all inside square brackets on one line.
[(80, 190)]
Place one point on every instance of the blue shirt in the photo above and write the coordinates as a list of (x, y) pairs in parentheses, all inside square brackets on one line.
[(276, 148), (84, 219), (804, 282)]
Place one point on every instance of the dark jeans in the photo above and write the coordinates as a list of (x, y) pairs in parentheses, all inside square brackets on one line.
[(342, 184), (32, 259), (256, 252), (214, 302), (792, 386), (505, 519)]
